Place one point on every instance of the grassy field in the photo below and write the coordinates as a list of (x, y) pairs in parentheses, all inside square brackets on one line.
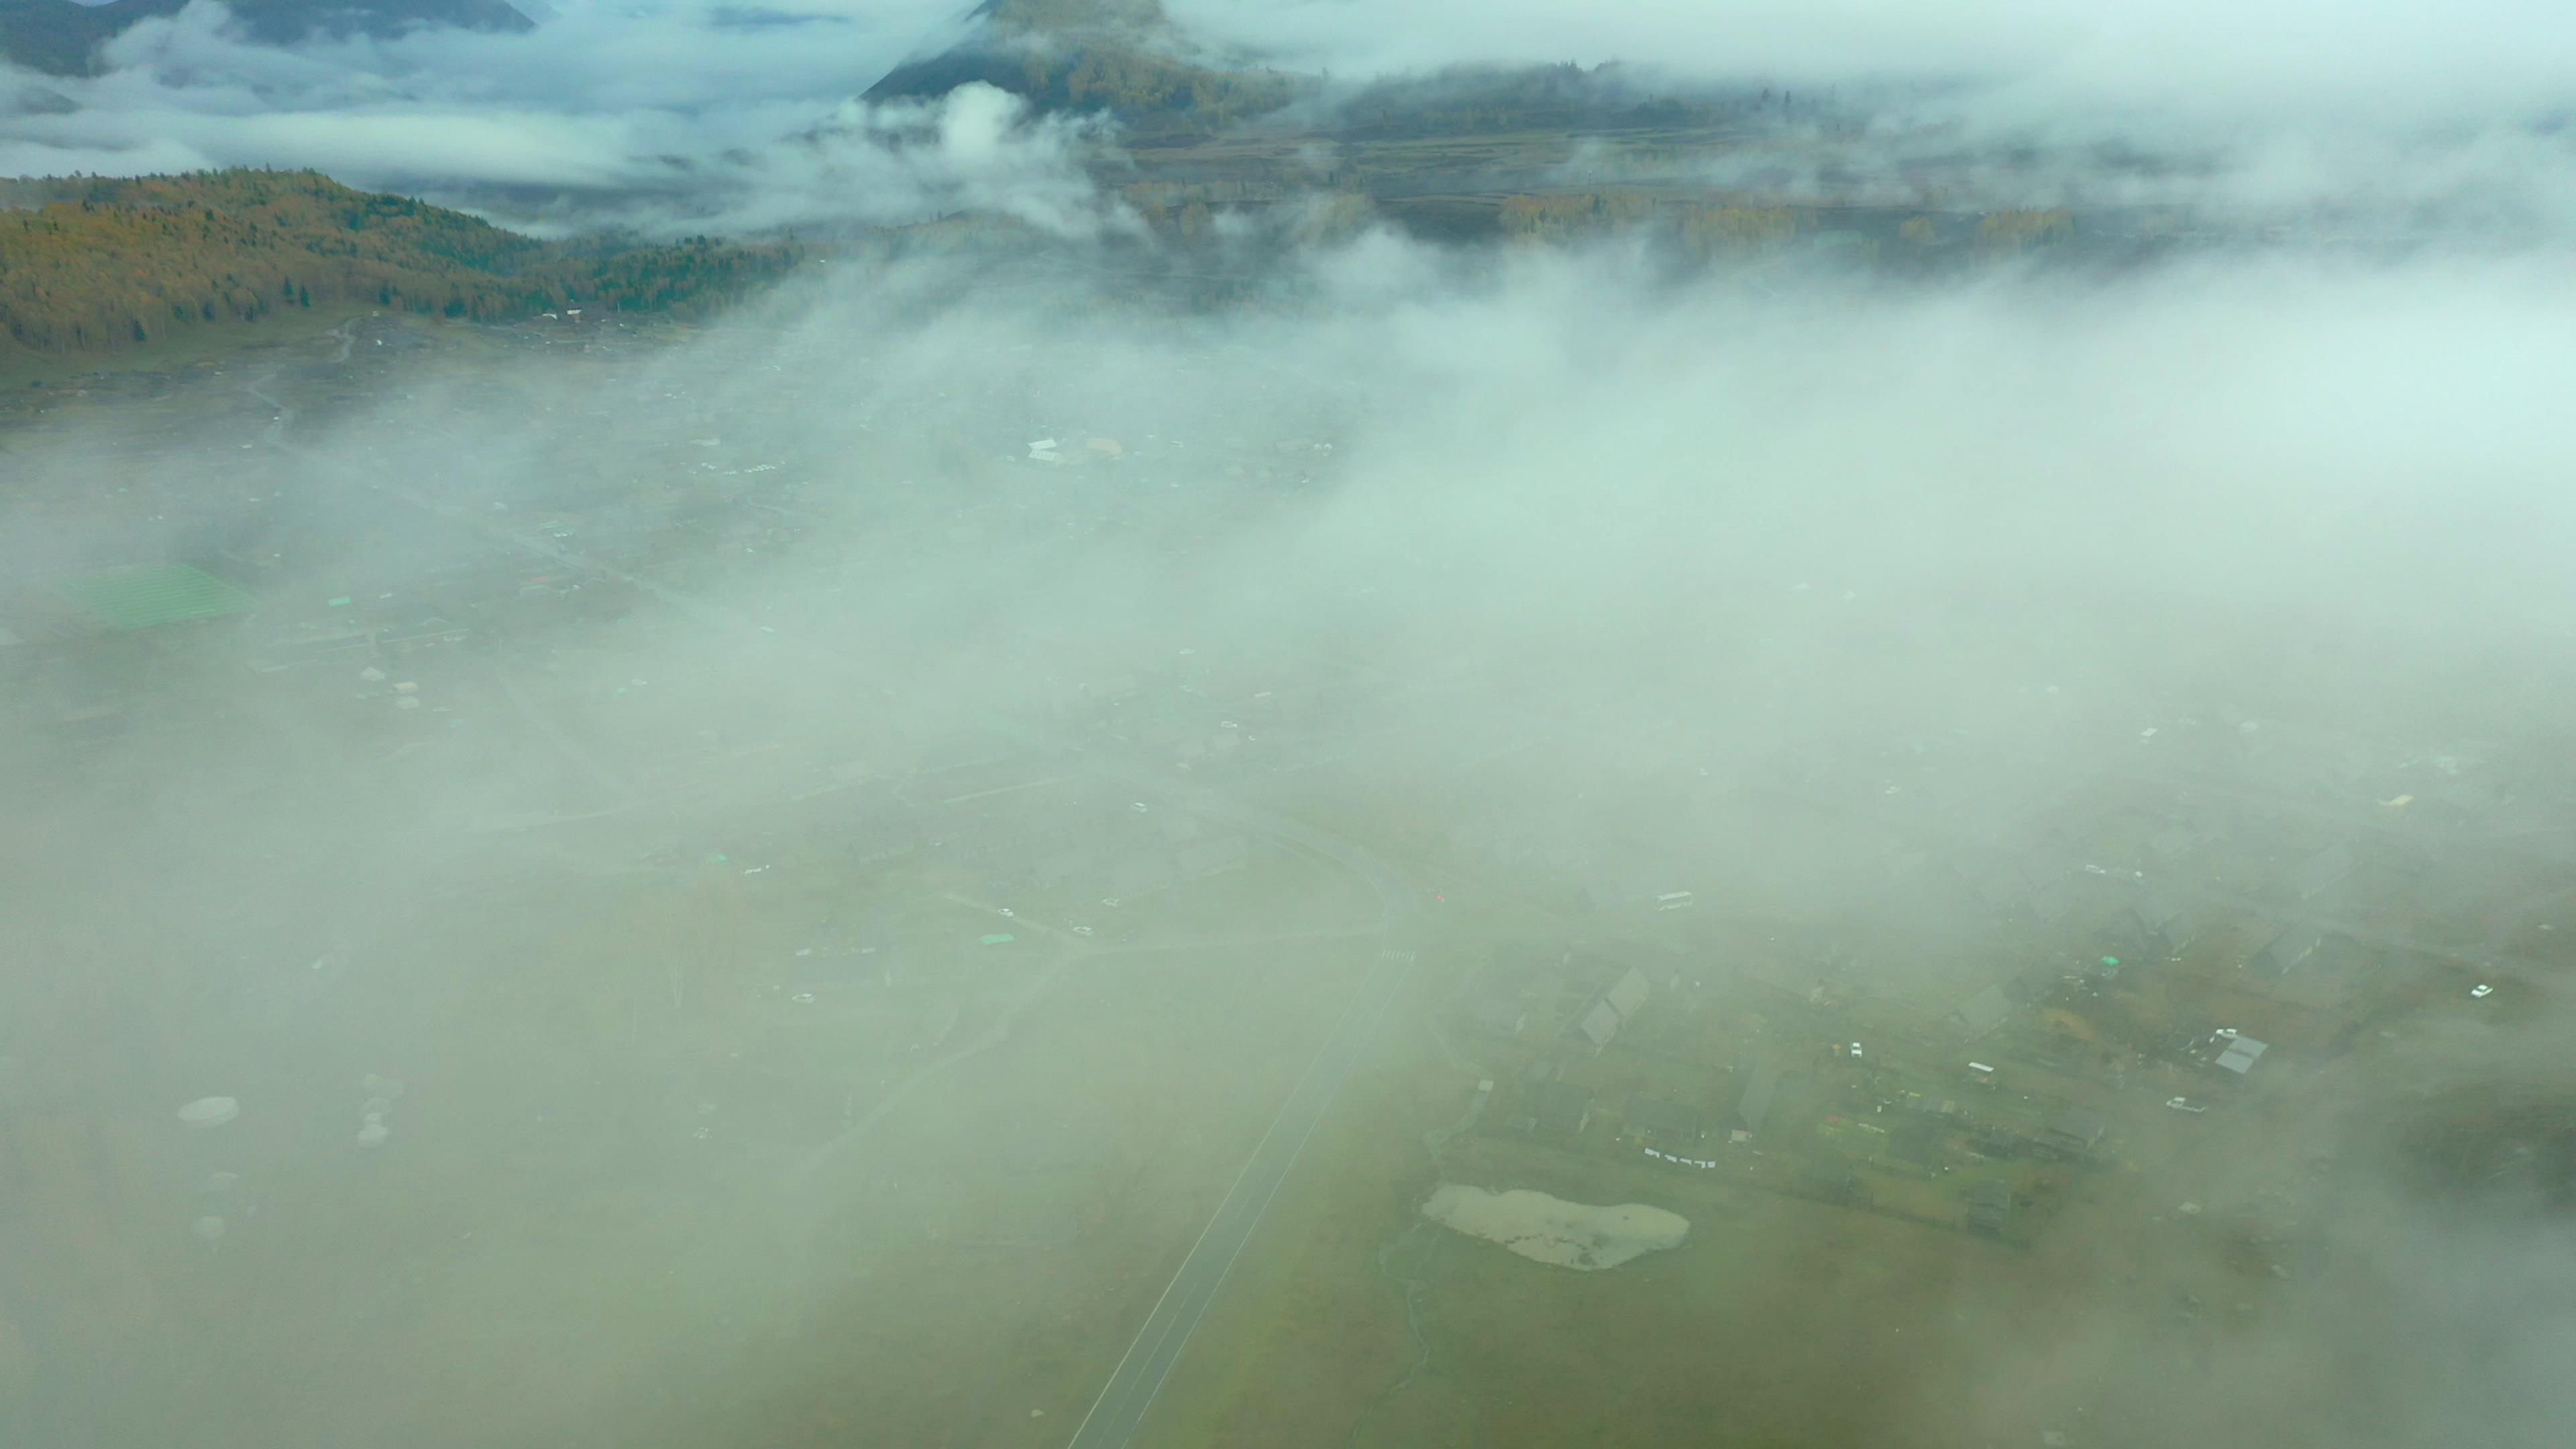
[(58, 374)]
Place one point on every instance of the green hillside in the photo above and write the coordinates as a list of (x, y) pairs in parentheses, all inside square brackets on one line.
[(91, 264)]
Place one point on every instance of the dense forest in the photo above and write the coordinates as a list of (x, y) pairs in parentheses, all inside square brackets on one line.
[(88, 264), (1483, 100), (1708, 228), (1733, 228)]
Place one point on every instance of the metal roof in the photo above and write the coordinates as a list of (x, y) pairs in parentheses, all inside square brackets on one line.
[(1984, 1011), (145, 596), (2241, 1054), (1628, 993)]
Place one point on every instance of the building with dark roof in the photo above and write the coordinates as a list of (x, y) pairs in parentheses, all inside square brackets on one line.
[(1753, 1104), (1981, 1013), (1989, 1206), (1613, 1008), (2292, 947)]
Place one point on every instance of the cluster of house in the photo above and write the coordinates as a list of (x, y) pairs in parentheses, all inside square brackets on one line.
[(1550, 1104), (2213, 887), (1527, 999)]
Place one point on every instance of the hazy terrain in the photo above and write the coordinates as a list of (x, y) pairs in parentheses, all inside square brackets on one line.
[(1191, 788)]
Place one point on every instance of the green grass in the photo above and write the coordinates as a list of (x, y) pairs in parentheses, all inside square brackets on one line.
[(147, 596)]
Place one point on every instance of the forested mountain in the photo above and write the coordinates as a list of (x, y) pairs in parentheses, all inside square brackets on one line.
[(1123, 57), (61, 38), (89, 264)]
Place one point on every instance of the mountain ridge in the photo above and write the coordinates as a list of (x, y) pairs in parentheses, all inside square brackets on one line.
[(97, 264), (57, 37)]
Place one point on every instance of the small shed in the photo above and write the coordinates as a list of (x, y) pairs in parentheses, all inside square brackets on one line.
[(1599, 1025), (1981, 1013), (1989, 1206), (1628, 993), (2241, 1053)]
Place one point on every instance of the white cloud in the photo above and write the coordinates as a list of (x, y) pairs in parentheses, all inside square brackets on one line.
[(671, 117), (2371, 58)]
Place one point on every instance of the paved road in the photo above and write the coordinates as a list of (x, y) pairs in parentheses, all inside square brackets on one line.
[(1139, 1376), (1132, 1386), (1121, 1407)]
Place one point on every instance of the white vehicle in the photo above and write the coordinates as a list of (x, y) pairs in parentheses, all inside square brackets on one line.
[(2481, 992), (2185, 1104)]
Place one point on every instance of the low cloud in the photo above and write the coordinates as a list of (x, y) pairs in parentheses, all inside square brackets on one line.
[(677, 118), (2243, 108), (2375, 60), (1540, 553)]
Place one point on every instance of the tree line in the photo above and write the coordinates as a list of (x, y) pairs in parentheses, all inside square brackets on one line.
[(1723, 228), (1706, 227), (90, 264)]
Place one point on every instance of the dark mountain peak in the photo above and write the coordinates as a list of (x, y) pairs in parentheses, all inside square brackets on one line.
[(1122, 57)]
